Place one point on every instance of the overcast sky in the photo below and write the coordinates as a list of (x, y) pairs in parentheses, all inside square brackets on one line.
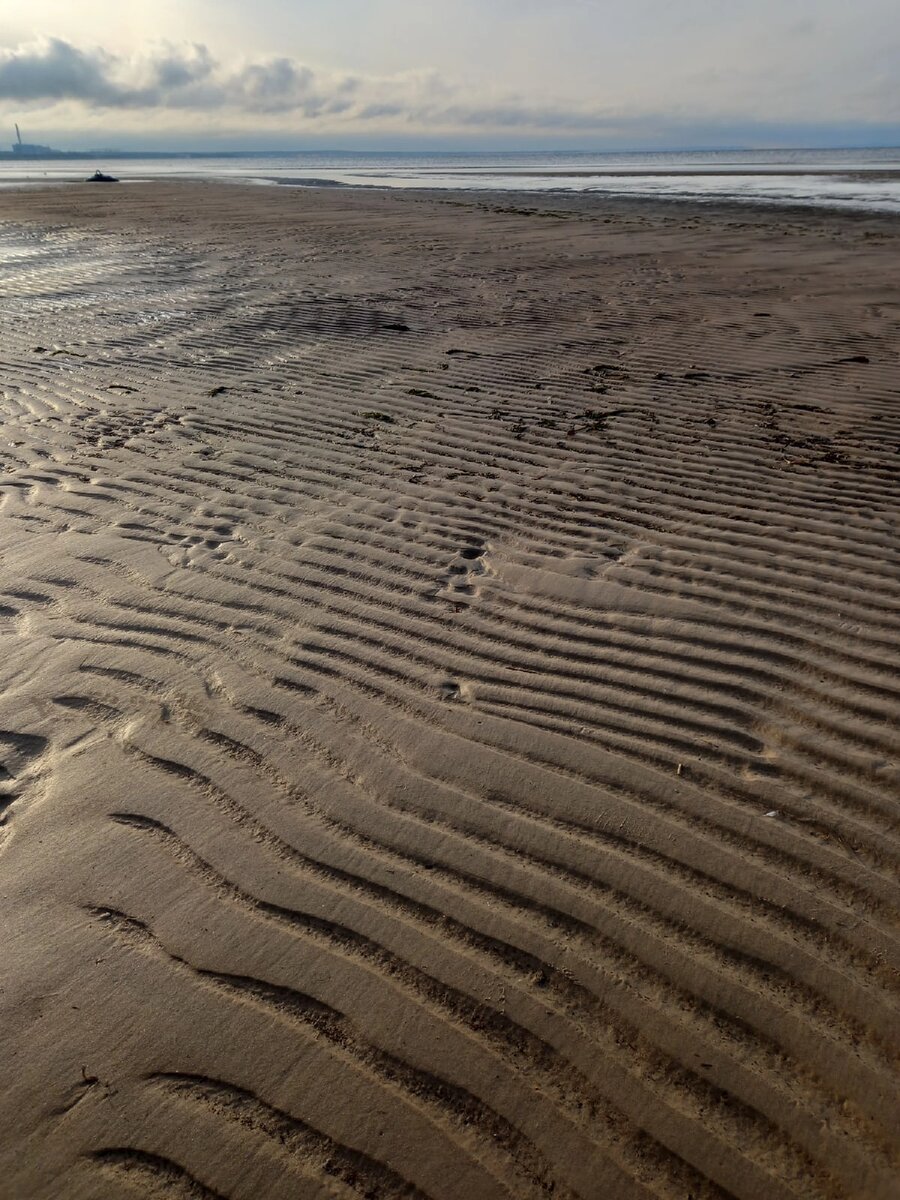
[(479, 73)]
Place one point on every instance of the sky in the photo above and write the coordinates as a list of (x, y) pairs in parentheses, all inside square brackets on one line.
[(460, 74)]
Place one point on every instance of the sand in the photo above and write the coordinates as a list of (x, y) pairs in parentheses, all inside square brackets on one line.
[(448, 653)]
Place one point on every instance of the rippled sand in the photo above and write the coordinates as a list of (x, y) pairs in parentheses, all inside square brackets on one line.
[(448, 657)]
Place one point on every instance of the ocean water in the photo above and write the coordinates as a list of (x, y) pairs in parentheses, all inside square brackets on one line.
[(867, 180)]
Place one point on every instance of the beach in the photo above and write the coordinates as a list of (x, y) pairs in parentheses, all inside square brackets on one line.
[(448, 696)]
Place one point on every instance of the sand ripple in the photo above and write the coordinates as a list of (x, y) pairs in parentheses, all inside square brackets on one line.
[(448, 662)]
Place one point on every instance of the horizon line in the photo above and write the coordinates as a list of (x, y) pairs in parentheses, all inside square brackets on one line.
[(549, 149)]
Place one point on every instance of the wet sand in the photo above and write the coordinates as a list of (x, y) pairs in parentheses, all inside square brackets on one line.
[(448, 674)]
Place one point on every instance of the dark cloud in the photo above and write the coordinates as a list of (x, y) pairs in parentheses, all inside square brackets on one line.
[(55, 70), (177, 70)]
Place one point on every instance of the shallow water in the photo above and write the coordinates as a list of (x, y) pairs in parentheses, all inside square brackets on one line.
[(865, 180)]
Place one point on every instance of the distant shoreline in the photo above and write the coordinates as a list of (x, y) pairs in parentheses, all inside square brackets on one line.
[(561, 200), (558, 203), (53, 155), (873, 173), (840, 180)]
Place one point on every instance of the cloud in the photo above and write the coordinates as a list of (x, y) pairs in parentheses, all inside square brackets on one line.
[(190, 78), (170, 87), (52, 70)]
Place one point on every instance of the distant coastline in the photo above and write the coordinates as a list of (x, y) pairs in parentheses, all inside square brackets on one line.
[(48, 154), (775, 155)]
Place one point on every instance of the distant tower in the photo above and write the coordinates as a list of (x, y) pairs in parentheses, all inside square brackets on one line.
[(27, 150)]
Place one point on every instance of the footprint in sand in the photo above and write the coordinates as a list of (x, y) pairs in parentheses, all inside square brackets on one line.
[(453, 692), (468, 566), (197, 548)]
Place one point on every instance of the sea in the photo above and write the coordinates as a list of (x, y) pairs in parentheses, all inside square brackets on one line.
[(862, 180)]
